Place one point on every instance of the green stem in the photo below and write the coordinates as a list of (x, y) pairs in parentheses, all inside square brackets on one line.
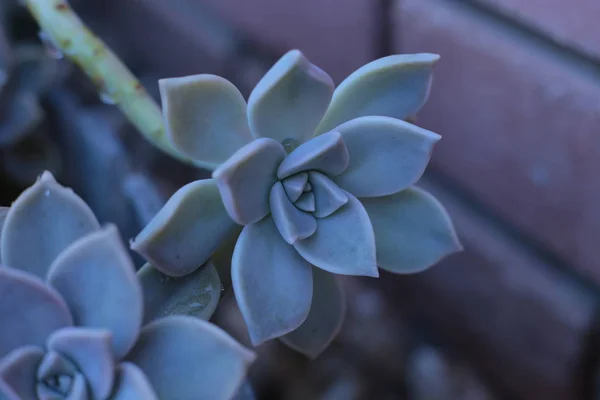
[(112, 78)]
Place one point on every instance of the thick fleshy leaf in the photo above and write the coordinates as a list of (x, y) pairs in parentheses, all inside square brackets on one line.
[(292, 223), (328, 196), (54, 364), (246, 179), (79, 389), (67, 388), (131, 384), (7, 393), (17, 371), (326, 153), (271, 282), (395, 86), (306, 202), (91, 351), (43, 221), (187, 358), (205, 117), (187, 230), (29, 310), (3, 213), (412, 231), (325, 318), (97, 279), (245, 392), (294, 185), (344, 242), (387, 155), (290, 100), (196, 294)]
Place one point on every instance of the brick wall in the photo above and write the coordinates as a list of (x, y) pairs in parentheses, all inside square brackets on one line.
[(517, 99)]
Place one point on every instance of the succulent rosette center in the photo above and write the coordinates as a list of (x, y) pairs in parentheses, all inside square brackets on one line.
[(64, 372), (302, 189)]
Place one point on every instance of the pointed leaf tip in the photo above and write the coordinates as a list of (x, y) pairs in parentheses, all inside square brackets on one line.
[(413, 231), (387, 155), (271, 282), (170, 241), (205, 117), (395, 86), (344, 242), (290, 100), (42, 222)]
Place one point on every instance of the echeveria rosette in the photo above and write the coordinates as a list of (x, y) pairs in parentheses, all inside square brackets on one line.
[(320, 180), (72, 325), (48, 217)]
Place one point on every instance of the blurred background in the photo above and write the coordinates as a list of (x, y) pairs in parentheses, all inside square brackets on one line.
[(516, 97)]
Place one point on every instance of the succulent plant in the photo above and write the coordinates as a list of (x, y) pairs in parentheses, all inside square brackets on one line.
[(72, 308), (320, 180)]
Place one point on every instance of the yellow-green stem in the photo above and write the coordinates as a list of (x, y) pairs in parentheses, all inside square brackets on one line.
[(112, 78)]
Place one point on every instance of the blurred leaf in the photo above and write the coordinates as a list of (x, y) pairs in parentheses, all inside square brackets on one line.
[(196, 294)]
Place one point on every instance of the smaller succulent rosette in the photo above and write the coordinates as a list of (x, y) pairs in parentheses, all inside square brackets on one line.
[(72, 307), (320, 179)]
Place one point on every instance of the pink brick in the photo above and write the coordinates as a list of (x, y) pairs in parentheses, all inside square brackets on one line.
[(337, 35), (519, 322), (520, 126), (574, 23)]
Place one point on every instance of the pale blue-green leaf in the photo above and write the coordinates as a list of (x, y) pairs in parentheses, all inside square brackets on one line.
[(187, 230), (325, 318), (306, 202), (271, 282), (294, 185), (292, 223), (78, 390), (29, 311), (290, 100), (245, 179), (412, 231), (205, 117), (7, 393), (326, 153), (245, 392), (344, 242), (91, 351), (43, 221), (196, 294), (131, 384), (387, 155), (17, 372), (54, 364), (396, 86), (96, 277), (187, 358), (328, 196)]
